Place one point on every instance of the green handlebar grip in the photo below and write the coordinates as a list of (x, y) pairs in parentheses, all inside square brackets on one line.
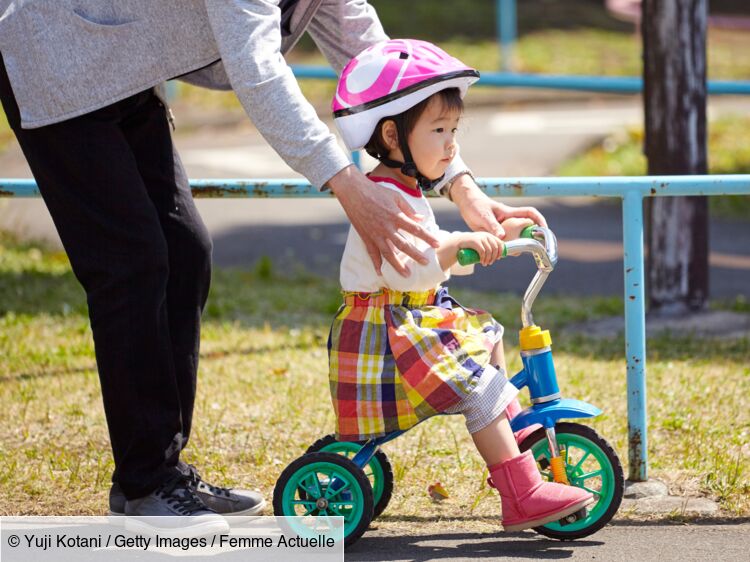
[(528, 232), (468, 256)]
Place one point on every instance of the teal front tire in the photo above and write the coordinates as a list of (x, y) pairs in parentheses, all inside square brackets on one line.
[(590, 463), (378, 471), (304, 489)]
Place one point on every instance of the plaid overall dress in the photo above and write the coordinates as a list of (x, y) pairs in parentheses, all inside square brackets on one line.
[(398, 358)]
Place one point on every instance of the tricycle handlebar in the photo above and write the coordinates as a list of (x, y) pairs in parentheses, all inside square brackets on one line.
[(539, 241)]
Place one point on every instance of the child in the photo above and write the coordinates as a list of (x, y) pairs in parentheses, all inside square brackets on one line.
[(401, 349)]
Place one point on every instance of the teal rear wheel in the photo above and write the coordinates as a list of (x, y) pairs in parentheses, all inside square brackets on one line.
[(325, 485), (378, 471), (592, 464)]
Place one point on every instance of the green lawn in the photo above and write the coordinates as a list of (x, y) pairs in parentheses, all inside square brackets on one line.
[(263, 396), (622, 155), (587, 51), (598, 49), (6, 135)]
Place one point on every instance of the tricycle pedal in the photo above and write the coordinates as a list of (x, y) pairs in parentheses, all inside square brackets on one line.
[(573, 517)]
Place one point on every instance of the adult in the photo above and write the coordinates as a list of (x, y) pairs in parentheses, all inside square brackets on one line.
[(80, 81)]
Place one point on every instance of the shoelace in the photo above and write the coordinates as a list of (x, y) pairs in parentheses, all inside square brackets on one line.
[(196, 481), (179, 494)]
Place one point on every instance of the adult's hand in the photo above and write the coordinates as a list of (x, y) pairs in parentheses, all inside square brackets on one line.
[(377, 214), (484, 214)]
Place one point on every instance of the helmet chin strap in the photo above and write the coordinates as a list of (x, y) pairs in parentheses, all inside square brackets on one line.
[(408, 167)]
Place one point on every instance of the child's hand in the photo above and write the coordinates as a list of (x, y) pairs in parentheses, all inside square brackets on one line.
[(488, 246), (514, 226)]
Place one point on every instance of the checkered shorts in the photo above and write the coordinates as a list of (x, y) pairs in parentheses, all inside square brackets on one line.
[(488, 400), (397, 358)]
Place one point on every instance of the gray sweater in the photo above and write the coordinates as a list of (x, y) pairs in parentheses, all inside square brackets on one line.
[(66, 58)]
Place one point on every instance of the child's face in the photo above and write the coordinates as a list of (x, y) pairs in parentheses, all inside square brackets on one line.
[(433, 140)]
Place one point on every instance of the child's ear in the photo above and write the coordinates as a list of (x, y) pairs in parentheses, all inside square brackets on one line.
[(389, 132)]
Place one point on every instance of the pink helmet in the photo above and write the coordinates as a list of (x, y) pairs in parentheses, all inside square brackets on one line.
[(389, 78)]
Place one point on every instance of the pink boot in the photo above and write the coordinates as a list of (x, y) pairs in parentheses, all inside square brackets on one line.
[(527, 500), (513, 409)]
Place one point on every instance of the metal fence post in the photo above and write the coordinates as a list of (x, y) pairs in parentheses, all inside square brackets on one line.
[(632, 190), (635, 334), (506, 31)]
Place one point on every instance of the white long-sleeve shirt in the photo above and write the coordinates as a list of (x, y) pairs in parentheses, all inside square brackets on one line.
[(358, 272)]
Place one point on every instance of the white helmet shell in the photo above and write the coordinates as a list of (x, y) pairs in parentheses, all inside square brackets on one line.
[(389, 78)]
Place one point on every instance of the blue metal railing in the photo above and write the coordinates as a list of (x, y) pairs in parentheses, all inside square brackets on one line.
[(608, 84), (632, 191)]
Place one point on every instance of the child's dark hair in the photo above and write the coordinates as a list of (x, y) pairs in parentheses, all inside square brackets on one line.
[(449, 98)]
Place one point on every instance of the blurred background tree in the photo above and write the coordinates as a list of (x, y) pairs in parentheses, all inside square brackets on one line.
[(474, 20), (674, 73)]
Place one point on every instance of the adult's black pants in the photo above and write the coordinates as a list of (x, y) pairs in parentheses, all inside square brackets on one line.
[(121, 202)]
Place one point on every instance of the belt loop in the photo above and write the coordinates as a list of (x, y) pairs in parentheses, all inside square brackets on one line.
[(361, 298)]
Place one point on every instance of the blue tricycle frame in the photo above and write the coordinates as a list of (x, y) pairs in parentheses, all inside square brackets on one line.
[(568, 453)]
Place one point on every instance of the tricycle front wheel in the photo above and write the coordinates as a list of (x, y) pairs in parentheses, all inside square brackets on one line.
[(590, 463)]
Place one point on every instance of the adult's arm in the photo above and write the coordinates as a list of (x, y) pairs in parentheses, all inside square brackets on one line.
[(342, 29), (248, 34), (482, 213)]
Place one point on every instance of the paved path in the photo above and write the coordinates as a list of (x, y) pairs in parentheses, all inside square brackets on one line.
[(623, 541), (530, 141)]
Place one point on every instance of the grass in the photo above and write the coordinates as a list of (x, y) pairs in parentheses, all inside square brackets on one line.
[(595, 50), (263, 396), (587, 51), (6, 135), (478, 18), (621, 154)]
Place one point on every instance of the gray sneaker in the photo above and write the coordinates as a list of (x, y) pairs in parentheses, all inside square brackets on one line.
[(173, 508), (226, 501)]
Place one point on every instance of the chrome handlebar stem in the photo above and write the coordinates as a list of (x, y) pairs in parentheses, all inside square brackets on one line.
[(543, 246)]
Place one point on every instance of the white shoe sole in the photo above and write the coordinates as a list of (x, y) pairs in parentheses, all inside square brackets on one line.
[(195, 527), (119, 518), (116, 518), (550, 518), (255, 510)]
